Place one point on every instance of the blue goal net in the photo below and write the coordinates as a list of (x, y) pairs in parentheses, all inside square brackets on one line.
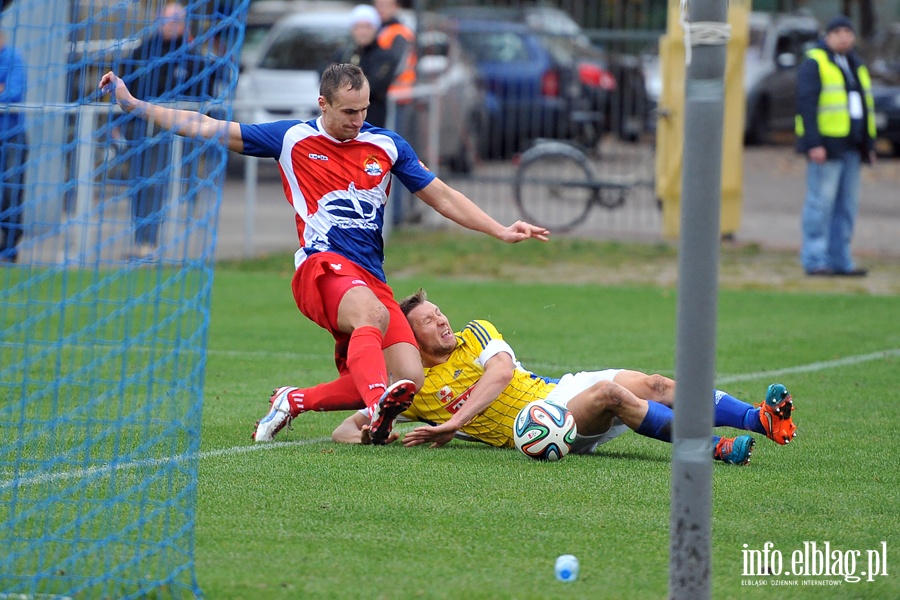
[(107, 240)]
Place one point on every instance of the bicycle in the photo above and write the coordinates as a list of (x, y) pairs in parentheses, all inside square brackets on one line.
[(556, 185)]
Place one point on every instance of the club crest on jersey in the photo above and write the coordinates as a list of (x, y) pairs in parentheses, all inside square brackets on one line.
[(372, 167), (454, 404)]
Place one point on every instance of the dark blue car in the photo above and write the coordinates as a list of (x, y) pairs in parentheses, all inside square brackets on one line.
[(887, 114), (529, 94)]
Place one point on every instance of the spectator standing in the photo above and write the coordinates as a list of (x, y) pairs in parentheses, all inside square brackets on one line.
[(161, 68), (835, 128), (13, 150), (378, 64), (400, 40)]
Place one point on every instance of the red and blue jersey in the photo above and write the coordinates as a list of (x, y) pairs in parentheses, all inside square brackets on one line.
[(338, 189)]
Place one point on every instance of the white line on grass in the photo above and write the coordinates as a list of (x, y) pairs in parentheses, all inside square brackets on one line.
[(811, 367), (110, 468), (236, 450)]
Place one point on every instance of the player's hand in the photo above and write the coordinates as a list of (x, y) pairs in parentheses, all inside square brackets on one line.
[(520, 230), (110, 83), (437, 436), (365, 436)]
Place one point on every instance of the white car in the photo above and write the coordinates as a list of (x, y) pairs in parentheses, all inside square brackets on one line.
[(284, 81)]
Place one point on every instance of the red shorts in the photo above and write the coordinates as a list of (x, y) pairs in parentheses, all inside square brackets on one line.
[(319, 286)]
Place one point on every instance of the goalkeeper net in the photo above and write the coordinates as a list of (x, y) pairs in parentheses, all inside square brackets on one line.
[(107, 235)]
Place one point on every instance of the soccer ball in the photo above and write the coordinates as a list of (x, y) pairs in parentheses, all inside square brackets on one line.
[(544, 431)]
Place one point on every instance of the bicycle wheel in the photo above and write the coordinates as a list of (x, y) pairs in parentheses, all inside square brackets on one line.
[(554, 186)]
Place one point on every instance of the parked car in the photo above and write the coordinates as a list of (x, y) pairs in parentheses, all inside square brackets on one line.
[(462, 113), (614, 83), (774, 51), (884, 57), (263, 14), (887, 114), (775, 48), (529, 93), (283, 82), (884, 65)]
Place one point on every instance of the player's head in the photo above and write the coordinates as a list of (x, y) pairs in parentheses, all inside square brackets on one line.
[(344, 99), (432, 329)]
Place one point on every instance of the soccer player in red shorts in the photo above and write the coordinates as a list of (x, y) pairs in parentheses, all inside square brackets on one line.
[(337, 172)]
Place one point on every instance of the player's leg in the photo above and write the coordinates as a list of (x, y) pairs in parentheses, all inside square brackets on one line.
[(375, 349), (333, 293), (404, 368), (288, 402), (649, 387), (596, 404), (771, 417), (362, 315), (595, 408)]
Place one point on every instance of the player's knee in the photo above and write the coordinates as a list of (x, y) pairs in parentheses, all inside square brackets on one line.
[(378, 316), (419, 379), (659, 385), (607, 395)]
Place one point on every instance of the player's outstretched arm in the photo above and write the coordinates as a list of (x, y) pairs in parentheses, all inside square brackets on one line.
[(187, 123), (498, 373), (460, 209)]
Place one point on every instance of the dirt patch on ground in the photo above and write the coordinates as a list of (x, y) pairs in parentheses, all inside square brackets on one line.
[(763, 270)]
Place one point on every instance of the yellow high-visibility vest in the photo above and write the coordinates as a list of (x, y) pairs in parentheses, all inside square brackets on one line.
[(833, 117)]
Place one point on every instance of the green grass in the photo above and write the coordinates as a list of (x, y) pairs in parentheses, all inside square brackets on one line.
[(306, 518)]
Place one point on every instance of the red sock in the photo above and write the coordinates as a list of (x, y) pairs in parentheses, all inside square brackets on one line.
[(340, 394), (365, 361)]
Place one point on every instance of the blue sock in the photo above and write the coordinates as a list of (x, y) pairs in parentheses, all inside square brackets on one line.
[(731, 412), (657, 423)]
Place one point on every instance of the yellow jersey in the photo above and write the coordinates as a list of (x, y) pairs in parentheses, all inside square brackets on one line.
[(447, 386)]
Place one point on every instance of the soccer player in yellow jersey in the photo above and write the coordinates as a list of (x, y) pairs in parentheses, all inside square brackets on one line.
[(474, 386)]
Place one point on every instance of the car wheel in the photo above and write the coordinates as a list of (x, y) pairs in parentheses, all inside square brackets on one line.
[(759, 127)]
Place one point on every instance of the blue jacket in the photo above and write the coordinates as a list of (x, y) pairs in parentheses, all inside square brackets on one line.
[(13, 77), (809, 86)]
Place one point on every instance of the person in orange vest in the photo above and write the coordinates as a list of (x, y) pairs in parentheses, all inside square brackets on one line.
[(401, 41)]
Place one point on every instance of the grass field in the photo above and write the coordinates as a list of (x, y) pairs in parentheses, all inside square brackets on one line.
[(306, 518)]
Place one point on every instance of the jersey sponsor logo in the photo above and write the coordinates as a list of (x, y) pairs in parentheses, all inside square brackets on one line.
[(358, 282), (352, 208), (421, 164), (372, 167), (336, 266), (457, 373), (315, 156), (445, 395)]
